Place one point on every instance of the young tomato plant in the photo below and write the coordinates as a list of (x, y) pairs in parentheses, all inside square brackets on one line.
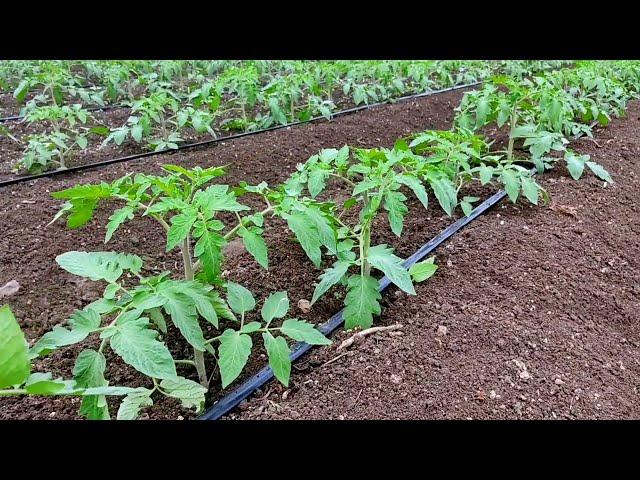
[(67, 134), (376, 186)]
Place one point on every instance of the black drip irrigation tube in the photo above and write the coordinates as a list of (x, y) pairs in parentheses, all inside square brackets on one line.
[(233, 399), (348, 111)]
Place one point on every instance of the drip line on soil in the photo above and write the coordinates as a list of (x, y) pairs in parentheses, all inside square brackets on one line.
[(103, 163), (231, 400)]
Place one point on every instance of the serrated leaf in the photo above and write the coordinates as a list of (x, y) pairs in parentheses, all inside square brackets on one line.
[(134, 402), (325, 231), (118, 218), (278, 353), (599, 171), (14, 363), (180, 227), (239, 298), (181, 306), (422, 270), (307, 235), (251, 327), (256, 246), (56, 338), (107, 266), (416, 186), (89, 372), (330, 277), (317, 181), (137, 345), (190, 393), (445, 193), (233, 352), (361, 301), (530, 189), (575, 164), (394, 205), (303, 332), (275, 306), (208, 249), (42, 384), (511, 184), (486, 174), (382, 258), (218, 198)]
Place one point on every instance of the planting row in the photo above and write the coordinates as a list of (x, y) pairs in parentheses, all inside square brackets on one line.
[(183, 101), (131, 318)]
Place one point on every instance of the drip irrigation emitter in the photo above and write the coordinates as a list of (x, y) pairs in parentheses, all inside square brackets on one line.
[(348, 111), (233, 399)]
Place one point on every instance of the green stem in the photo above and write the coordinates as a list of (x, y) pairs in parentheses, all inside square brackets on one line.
[(14, 391), (514, 120), (198, 356)]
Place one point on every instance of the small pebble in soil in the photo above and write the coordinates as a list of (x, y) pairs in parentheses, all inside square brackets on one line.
[(442, 330), (558, 381), (395, 378)]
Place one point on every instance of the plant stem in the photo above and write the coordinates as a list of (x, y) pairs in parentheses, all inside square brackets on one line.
[(13, 391), (198, 356), (514, 120)]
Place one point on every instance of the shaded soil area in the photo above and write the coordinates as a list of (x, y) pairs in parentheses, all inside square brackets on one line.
[(534, 313), (48, 295)]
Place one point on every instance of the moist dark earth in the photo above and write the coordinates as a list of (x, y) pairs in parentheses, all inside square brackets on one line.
[(477, 341)]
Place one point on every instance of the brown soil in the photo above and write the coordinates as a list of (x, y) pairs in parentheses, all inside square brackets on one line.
[(48, 294), (533, 314)]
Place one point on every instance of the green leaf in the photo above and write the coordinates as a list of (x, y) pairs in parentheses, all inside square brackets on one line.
[(102, 131), (511, 184), (251, 327), (42, 384), (416, 186), (575, 164), (317, 179), (118, 218), (180, 227), (138, 346), (530, 189), (486, 174), (326, 233), (382, 258), (89, 372), (218, 198), (303, 332), (307, 235), (599, 171), (446, 194), (467, 208), (190, 393), (422, 270), (81, 141), (275, 306), (278, 353), (394, 204), (256, 246), (361, 301), (56, 338), (239, 298), (134, 402), (14, 364), (233, 352), (181, 305), (107, 266), (330, 277), (208, 250)]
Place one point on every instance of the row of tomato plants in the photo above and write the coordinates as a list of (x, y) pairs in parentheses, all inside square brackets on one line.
[(250, 96), (136, 311)]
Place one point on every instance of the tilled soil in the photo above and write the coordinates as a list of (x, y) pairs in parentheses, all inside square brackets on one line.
[(534, 313), (48, 295)]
